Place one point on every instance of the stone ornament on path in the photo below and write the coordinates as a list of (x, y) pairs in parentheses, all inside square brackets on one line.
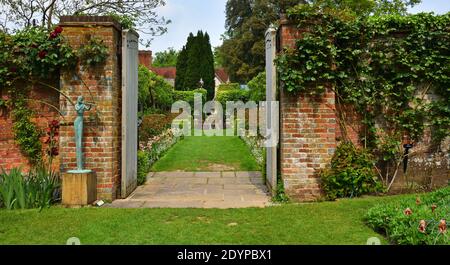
[(80, 108)]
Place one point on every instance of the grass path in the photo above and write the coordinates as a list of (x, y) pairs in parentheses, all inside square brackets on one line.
[(316, 223), (208, 154)]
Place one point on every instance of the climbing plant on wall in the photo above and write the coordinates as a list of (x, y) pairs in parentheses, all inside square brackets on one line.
[(385, 66), (30, 55)]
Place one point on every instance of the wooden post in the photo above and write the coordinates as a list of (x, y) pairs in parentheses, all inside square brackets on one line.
[(79, 189)]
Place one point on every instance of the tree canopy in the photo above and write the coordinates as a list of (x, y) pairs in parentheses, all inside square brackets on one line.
[(139, 14), (243, 49), (195, 63), (166, 58)]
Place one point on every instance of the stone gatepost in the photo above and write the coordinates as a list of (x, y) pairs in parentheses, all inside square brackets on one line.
[(100, 85), (307, 132)]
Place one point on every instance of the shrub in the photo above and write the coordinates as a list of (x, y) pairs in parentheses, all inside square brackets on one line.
[(414, 220), (232, 95), (154, 124), (257, 87), (350, 174), (37, 190), (229, 86), (144, 166), (154, 91), (188, 96)]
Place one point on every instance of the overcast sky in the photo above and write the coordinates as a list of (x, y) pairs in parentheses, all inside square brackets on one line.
[(209, 15)]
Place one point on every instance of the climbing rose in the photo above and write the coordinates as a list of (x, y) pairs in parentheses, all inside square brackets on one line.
[(42, 54), (53, 35), (433, 207), (54, 124), (442, 226), (58, 29), (407, 211), (422, 226)]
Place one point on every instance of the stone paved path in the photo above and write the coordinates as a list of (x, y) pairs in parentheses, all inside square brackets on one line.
[(199, 190)]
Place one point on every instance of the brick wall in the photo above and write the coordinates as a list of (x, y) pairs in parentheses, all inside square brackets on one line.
[(312, 127), (10, 154), (307, 133), (145, 58), (102, 136)]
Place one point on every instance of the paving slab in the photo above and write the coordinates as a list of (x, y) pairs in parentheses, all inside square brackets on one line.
[(199, 190)]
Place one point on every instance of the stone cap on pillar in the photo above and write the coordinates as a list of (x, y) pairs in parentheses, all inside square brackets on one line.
[(90, 20)]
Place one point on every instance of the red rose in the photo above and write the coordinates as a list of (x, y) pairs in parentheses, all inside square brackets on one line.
[(42, 54), (55, 124), (53, 35), (58, 29), (55, 151)]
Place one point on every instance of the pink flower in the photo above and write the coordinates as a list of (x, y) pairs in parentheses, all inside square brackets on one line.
[(422, 226), (407, 211), (433, 207), (442, 226)]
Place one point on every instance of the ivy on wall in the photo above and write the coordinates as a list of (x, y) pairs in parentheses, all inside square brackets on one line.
[(384, 66)]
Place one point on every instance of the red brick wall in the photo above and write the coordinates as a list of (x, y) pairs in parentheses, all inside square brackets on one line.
[(145, 58), (307, 134), (10, 154), (102, 139)]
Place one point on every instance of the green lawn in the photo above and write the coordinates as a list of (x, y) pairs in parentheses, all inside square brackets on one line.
[(208, 154), (317, 223)]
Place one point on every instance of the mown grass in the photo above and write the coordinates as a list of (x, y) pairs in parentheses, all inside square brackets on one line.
[(326, 223), (204, 153)]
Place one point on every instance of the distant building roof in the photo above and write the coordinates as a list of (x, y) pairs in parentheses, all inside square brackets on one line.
[(222, 75), (166, 72)]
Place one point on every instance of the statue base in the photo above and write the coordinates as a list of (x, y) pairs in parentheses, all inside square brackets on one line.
[(79, 188)]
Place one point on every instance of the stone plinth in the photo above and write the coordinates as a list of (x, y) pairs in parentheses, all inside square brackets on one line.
[(79, 189)]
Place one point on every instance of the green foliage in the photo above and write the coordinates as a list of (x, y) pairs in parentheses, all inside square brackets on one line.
[(402, 227), (195, 62), (382, 65), (26, 133), (33, 53), (154, 91), (351, 173), (144, 166), (37, 190), (166, 58), (232, 95), (189, 96), (126, 21), (257, 87), (229, 86), (94, 52)]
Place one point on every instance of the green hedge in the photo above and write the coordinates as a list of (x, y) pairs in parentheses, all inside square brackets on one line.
[(188, 96), (400, 221), (229, 86), (232, 95)]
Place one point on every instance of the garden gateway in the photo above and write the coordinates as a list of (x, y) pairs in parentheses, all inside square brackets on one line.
[(311, 125)]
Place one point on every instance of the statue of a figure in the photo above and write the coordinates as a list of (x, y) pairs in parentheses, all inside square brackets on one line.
[(80, 108)]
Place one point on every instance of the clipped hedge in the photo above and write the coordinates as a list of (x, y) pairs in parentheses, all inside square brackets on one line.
[(232, 95), (188, 96), (229, 86), (414, 220)]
